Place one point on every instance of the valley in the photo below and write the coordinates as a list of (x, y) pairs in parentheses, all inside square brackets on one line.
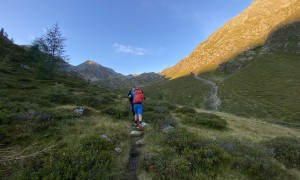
[(229, 110)]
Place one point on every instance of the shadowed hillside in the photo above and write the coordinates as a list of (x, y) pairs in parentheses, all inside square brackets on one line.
[(58, 128), (264, 82)]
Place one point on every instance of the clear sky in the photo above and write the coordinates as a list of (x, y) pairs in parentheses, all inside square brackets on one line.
[(129, 36)]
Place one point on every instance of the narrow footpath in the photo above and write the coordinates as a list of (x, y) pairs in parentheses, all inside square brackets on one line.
[(134, 154), (214, 100)]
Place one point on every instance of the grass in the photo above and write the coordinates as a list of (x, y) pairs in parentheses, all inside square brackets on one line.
[(188, 116), (249, 128), (185, 90), (78, 148), (267, 88), (192, 151), (261, 138), (41, 136)]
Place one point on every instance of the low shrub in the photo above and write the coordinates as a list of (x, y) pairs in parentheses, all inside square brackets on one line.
[(157, 107), (286, 150), (116, 112), (91, 158), (209, 159), (97, 101), (157, 163), (180, 139), (252, 159), (58, 94), (152, 118), (167, 121), (185, 156), (205, 120)]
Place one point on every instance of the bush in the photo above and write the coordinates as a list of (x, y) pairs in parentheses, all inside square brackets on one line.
[(91, 158), (180, 139), (157, 107), (286, 150), (206, 120), (252, 159), (116, 112), (58, 94), (167, 121), (185, 156), (152, 118), (97, 101), (209, 159)]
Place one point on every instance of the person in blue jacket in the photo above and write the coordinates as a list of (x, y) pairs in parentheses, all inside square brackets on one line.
[(130, 98)]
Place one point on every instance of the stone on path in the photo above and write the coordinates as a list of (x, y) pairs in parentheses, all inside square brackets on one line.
[(136, 133)]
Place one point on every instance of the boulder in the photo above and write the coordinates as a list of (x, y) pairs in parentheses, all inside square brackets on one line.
[(136, 133), (79, 110)]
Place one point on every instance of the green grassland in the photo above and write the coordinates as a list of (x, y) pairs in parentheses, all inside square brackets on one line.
[(184, 90), (41, 137), (204, 144), (267, 88), (255, 135)]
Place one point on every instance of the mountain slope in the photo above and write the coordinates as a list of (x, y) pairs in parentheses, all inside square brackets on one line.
[(41, 136), (264, 82), (272, 94), (245, 31)]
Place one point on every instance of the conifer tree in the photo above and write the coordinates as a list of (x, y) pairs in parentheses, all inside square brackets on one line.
[(52, 46)]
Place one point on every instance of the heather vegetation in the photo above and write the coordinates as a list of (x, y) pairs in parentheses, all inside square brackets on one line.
[(43, 137), (40, 133), (184, 143)]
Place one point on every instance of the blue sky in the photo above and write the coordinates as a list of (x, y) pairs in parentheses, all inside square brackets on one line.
[(129, 36)]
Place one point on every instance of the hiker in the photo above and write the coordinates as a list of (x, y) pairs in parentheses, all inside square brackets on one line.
[(130, 98), (138, 105)]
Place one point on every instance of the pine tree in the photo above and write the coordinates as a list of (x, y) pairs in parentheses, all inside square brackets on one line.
[(53, 48)]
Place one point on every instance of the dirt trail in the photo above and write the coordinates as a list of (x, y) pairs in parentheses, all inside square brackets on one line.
[(213, 98), (133, 162)]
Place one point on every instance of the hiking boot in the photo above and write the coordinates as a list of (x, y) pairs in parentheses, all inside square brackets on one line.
[(134, 123)]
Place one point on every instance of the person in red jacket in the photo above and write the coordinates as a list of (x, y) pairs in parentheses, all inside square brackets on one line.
[(138, 105)]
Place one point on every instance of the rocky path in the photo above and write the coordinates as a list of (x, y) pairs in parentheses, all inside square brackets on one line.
[(134, 154), (214, 100)]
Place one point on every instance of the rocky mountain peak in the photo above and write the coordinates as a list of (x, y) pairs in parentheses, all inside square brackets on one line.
[(90, 62)]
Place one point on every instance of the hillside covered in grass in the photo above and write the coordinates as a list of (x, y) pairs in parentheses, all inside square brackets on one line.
[(40, 133), (267, 88), (264, 82), (45, 135), (184, 91)]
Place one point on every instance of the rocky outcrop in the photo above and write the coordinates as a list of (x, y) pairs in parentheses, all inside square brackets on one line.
[(285, 40), (245, 31), (239, 62)]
